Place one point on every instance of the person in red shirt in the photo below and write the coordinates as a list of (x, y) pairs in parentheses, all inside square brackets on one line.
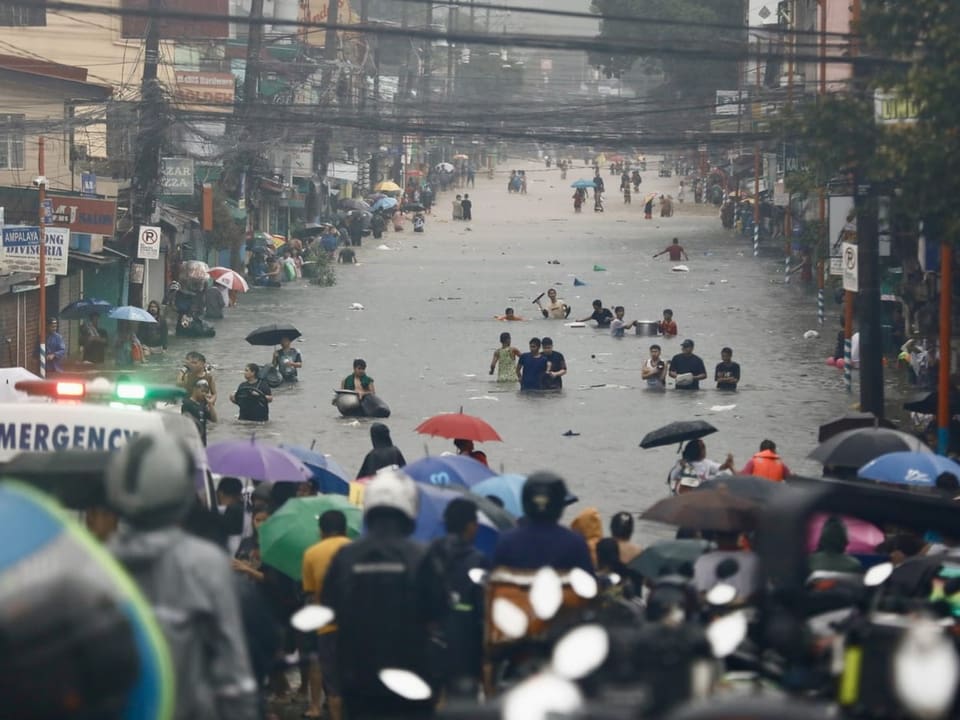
[(767, 464), (675, 251), (465, 447), (668, 326)]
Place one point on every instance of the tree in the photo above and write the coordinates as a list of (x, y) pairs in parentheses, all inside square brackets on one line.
[(689, 80), (910, 52)]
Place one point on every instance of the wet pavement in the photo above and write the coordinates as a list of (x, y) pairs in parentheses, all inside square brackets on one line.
[(427, 333)]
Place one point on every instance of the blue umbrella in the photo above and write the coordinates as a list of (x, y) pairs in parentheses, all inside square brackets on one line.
[(581, 183), (508, 488), (328, 477), (384, 203), (129, 312), (917, 469), (448, 470), (433, 501), (82, 309)]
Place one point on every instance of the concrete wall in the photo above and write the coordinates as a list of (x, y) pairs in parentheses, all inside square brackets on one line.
[(37, 103)]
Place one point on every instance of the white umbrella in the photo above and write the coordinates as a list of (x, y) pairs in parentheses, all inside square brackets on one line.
[(445, 166), (232, 281)]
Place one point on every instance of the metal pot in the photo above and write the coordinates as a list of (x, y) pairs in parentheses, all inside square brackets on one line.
[(647, 328)]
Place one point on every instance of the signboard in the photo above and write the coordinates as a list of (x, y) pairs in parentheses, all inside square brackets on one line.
[(204, 91), (134, 27), (84, 215), (21, 249), (46, 209), (148, 244), (177, 175), (842, 223), (88, 184), (343, 171), (317, 11), (728, 102), (836, 265), (889, 109), (848, 254)]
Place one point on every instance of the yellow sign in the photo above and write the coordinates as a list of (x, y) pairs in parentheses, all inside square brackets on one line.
[(317, 11), (890, 109)]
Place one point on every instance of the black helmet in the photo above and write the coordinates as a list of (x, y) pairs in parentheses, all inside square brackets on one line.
[(544, 496)]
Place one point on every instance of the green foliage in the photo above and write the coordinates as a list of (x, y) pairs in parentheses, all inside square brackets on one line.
[(323, 273), (227, 233), (922, 159), (687, 78)]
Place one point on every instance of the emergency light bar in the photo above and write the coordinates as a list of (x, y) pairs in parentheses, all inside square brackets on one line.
[(102, 390)]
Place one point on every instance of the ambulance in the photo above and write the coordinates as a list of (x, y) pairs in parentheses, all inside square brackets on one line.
[(96, 414)]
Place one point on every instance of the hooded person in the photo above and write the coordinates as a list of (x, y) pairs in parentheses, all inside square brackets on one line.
[(385, 596), (541, 541), (384, 453), (187, 581), (589, 524)]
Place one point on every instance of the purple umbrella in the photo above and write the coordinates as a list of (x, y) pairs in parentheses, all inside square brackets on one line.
[(258, 461)]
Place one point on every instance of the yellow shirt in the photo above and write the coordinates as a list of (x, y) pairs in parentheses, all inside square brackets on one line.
[(316, 562)]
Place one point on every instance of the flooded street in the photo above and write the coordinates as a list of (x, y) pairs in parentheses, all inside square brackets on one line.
[(427, 333)]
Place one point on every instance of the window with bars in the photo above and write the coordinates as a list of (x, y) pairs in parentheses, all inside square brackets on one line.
[(11, 142), (23, 16)]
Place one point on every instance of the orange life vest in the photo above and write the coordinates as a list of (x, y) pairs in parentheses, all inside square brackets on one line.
[(767, 464)]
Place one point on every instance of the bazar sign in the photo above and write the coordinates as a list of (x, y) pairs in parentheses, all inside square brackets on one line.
[(21, 249), (205, 91), (84, 215), (177, 175)]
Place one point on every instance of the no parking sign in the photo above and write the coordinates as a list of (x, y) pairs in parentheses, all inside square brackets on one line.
[(148, 247)]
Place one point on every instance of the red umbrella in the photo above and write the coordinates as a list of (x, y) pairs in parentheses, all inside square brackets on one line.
[(232, 281), (458, 426)]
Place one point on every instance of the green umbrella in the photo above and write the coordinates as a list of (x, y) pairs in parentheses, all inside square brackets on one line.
[(295, 527)]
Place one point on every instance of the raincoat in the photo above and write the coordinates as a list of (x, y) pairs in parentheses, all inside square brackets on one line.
[(590, 525), (190, 585), (384, 453)]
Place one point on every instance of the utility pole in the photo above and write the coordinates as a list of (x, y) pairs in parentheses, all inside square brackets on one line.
[(321, 148), (251, 96), (868, 263), (150, 133), (362, 104), (42, 275), (251, 75), (427, 58), (451, 27)]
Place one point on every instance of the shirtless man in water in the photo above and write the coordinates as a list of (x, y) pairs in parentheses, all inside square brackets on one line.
[(675, 251)]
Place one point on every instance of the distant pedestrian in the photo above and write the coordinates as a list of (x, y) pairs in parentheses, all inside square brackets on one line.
[(253, 396), (471, 177), (458, 208), (681, 192), (668, 326), (466, 207), (767, 464), (465, 447), (56, 348), (727, 372), (505, 360), (93, 340), (674, 250), (626, 194), (648, 209)]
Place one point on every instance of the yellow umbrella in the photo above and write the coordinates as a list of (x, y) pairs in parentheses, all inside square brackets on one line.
[(388, 186), (356, 493)]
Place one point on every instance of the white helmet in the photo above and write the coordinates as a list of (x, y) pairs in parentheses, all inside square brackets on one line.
[(392, 488), (149, 483)]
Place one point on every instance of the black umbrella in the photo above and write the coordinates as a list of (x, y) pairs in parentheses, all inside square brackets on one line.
[(271, 334), (749, 487), (668, 557), (851, 421), (926, 403), (855, 448), (677, 432), (309, 230), (716, 510), (412, 207)]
